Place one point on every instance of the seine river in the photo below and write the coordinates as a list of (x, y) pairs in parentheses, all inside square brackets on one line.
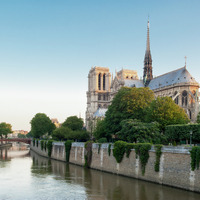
[(26, 175)]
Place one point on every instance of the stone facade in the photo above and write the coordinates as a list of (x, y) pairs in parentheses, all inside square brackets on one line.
[(177, 84)]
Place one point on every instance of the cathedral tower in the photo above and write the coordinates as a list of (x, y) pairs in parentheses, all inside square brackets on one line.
[(99, 81), (147, 75)]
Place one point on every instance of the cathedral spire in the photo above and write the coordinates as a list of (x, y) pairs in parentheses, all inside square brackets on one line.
[(147, 75)]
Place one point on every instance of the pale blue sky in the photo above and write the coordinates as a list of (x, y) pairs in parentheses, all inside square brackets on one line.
[(47, 48)]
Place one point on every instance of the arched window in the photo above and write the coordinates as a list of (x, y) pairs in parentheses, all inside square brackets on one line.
[(177, 98), (99, 106), (184, 98), (99, 81), (190, 114), (104, 82)]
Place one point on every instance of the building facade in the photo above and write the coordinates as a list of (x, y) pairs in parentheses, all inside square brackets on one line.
[(177, 84)]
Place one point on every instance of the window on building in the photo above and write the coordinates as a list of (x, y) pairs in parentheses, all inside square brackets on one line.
[(184, 98), (104, 97), (99, 96), (99, 81), (104, 82), (176, 100)]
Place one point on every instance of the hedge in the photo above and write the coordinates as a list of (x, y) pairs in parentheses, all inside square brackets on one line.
[(182, 132)]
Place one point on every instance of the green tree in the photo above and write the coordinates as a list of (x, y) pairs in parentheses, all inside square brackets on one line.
[(5, 129), (129, 103), (21, 135), (29, 135), (166, 112), (41, 125), (61, 133), (99, 131), (137, 131), (74, 123)]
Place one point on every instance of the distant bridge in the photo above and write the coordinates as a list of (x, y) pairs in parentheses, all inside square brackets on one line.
[(24, 140)]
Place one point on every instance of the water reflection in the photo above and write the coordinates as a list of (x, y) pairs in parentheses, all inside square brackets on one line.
[(99, 185)]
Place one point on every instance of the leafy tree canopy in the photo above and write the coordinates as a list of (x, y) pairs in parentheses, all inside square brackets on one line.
[(5, 129), (74, 123), (137, 131), (166, 112), (99, 131), (41, 125), (21, 135), (65, 133), (128, 103)]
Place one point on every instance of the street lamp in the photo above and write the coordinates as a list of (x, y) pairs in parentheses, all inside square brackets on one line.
[(190, 138)]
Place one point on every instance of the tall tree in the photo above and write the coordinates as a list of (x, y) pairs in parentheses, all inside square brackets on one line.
[(5, 129), (74, 123), (41, 125), (166, 112), (129, 103)]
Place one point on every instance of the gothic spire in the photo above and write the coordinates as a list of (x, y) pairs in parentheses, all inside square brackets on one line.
[(147, 75)]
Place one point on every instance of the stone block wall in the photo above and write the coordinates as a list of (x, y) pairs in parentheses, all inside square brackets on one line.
[(174, 170)]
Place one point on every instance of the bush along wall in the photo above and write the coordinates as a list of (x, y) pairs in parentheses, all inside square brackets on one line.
[(88, 154), (49, 147), (158, 148), (45, 145), (109, 149), (68, 145), (119, 150), (37, 142), (195, 157), (141, 150), (33, 142), (42, 144), (181, 132)]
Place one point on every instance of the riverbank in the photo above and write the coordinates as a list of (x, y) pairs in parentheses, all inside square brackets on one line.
[(174, 168)]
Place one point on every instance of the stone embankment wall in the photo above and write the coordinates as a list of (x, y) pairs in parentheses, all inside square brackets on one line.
[(174, 170)]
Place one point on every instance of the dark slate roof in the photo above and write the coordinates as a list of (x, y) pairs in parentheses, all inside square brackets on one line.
[(100, 112), (178, 76), (133, 83)]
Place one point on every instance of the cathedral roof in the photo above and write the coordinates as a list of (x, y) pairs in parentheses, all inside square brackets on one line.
[(133, 83), (100, 112), (175, 77)]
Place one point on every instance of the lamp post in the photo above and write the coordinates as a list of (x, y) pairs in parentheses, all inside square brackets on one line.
[(190, 138)]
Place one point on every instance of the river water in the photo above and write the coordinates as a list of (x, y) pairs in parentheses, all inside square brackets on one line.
[(24, 175)]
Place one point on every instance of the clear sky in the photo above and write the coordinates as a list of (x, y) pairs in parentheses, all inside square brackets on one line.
[(47, 48)]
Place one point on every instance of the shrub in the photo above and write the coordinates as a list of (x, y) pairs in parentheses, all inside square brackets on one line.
[(37, 141), (33, 142), (68, 145), (49, 147), (142, 150), (109, 149), (102, 140), (195, 157), (119, 150), (129, 146), (45, 145), (42, 144), (182, 132), (88, 155), (158, 148)]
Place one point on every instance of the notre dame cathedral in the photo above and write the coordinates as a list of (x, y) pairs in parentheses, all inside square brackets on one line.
[(177, 84)]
